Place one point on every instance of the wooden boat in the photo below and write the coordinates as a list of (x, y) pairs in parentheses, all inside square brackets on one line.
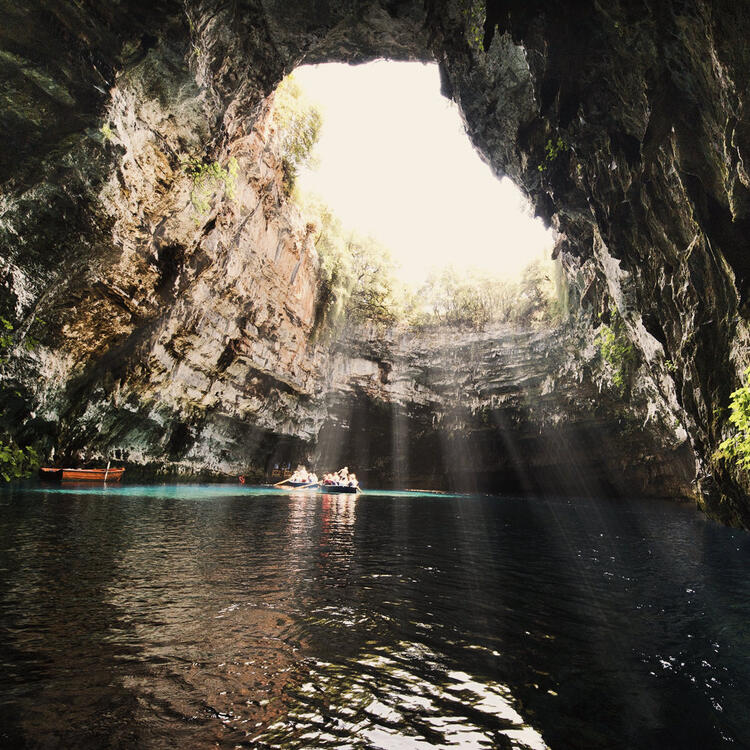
[(338, 488), (82, 475)]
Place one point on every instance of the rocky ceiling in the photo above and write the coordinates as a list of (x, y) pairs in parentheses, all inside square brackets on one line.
[(625, 123)]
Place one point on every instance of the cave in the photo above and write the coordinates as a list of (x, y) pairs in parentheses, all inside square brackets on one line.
[(518, 572), (149, 321)]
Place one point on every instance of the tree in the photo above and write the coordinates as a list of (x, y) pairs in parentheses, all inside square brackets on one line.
[(357, 273), (372, 296), (298, 124)]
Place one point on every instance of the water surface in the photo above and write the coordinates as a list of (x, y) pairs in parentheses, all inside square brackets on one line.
[(191, 616)]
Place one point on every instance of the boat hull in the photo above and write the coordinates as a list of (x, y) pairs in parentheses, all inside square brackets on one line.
[(337, 489), (82, 475)]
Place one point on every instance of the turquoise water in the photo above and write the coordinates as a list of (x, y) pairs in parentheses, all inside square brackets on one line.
[(198, 616), (208, 492)]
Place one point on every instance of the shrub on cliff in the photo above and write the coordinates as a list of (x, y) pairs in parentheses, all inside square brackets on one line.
[(208, 178), (617, 350), (737, 447)]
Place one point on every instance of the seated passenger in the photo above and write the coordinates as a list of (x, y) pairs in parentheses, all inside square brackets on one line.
[(353, 480), (300, 475)]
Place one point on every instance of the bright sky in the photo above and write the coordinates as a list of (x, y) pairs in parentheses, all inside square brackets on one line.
[(396, 163)]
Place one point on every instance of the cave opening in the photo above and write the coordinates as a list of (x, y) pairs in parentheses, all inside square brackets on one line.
[(444, 256), (393, 160)]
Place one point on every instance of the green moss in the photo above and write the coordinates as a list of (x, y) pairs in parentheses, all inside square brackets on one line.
[(6, 334), (617, 351), (475, 14)]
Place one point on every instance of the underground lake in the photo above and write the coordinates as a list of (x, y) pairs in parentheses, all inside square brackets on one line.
[(217, 615)]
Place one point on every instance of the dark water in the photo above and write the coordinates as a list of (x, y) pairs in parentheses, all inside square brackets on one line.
[(190, 617)]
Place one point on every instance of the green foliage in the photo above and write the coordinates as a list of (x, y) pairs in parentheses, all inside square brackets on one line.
[(373, 292), (552, 149), (208, 178), (106, 131), (298, 124), (7, 337), (357, 273), (737, 447), (617, 351), (357, 283), (15, 462), (474, 299), (6, 334), (475, 14), (670, 365)]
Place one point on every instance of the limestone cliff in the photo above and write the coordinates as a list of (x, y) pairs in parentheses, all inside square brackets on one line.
[(174, 330), (502, 410), (143, 320)]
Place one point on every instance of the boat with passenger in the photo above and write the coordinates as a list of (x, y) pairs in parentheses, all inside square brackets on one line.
[(338, 488), (300, 479), (341, 481)]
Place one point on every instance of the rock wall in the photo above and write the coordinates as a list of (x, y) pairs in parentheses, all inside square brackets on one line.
[(504, 410), (142, 323), (174, 331)]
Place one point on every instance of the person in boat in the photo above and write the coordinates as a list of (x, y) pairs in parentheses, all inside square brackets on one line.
[(312, 478), (300, 475), (353, 480)]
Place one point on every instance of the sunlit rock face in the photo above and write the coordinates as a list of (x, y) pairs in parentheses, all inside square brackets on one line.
[(176, 334), (502, 410)]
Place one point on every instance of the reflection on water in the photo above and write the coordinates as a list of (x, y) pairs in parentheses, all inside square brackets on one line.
[(193, 616), (382, 700)]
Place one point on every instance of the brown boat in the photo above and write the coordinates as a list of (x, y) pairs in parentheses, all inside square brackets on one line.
[(82, 475)]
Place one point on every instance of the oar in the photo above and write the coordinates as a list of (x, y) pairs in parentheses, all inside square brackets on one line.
[(283, 481), (307, 486)]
